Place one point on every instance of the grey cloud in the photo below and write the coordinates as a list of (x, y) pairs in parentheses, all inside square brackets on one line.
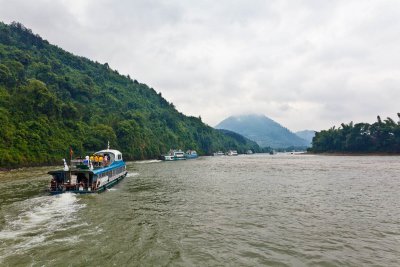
[(308, 64)]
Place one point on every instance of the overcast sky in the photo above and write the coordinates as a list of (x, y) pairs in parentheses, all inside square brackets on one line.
[(307, 64)]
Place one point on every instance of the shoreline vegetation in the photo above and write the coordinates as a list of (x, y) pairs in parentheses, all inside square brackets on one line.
[(51, 100), (381, 137)]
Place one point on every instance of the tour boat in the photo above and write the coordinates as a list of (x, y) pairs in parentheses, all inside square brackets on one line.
[(219, 153), (191, 154), (93, 174), (174, 155), (232, 153)]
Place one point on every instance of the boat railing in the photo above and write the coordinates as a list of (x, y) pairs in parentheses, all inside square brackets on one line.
[(85, 164), (79, 164), (73, 187), (101, 164)]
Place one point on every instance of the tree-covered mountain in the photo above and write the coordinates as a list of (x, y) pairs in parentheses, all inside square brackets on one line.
[(51, 99), (263, 130), (244, 141), (307, 135), (381, 136)]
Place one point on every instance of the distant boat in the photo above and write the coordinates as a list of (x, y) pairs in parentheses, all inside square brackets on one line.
[(90, 175), (219, 153), (191, 154), (174, 155), (249, 152), (232, 153), (272, 152)]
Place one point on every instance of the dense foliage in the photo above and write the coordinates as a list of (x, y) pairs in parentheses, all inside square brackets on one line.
[(51, 99), (381, 136), (243, 141)]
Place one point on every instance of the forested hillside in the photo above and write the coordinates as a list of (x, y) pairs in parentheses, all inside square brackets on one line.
[(51, 99), (381, 136)]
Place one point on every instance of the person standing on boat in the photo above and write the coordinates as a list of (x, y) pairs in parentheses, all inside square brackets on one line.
[(86, 161), (105, 160)]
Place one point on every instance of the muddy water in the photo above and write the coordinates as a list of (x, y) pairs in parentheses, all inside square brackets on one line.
[(281, 210)]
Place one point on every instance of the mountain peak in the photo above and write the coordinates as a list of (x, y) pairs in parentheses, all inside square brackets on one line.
[(263, 130)]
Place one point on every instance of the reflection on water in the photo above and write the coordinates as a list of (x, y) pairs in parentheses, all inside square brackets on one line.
[(286, 210)]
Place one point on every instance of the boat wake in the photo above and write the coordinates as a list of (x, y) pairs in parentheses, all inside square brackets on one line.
[(132, 174), (34, 222), (147, 161)]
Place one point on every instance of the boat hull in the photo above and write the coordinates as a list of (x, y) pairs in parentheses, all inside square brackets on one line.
[(98, 190), (172, 158)]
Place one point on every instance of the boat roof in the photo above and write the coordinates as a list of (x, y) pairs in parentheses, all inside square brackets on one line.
[(115, 152)]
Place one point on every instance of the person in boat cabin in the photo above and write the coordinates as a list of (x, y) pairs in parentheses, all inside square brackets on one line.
[(82, 179)]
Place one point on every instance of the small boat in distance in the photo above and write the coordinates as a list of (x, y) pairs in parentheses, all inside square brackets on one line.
[(219, 153), (249, 152), (94, 174), (174, 155), (191, 154), (232, 153)]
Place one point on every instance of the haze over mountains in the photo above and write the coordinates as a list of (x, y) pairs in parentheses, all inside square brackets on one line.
[(263, 130), (307, 135)]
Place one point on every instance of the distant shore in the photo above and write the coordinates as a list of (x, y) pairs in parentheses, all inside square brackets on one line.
[(4, 169), (34, 165), (351, 154)]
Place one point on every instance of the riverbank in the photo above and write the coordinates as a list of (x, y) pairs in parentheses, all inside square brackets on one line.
[(31, 165)]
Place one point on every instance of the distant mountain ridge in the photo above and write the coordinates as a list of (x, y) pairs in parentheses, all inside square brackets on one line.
[(307, 135), (263, 130)]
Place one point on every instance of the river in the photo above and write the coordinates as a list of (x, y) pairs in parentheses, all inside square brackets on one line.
[(256, 210)]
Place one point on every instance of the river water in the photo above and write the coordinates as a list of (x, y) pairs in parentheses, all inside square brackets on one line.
[(256, 210)]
